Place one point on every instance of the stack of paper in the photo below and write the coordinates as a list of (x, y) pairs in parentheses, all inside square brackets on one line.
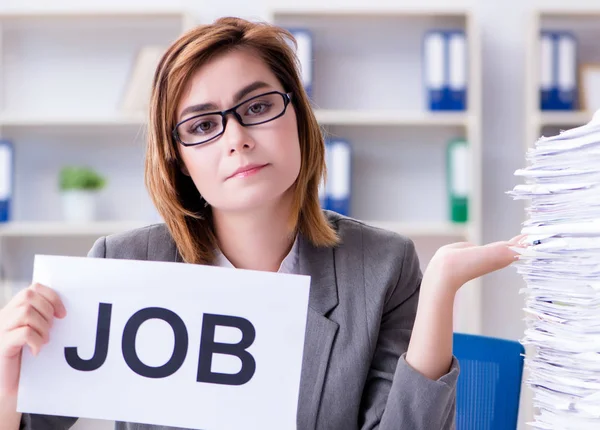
[(561, 269)]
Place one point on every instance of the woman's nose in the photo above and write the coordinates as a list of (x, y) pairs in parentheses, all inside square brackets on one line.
[(237, 138)]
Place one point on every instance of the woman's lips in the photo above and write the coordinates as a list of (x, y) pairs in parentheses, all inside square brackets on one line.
[(248, 170)]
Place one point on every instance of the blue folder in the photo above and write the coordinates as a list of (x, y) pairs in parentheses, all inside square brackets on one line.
[(558, 70), (323, 184), (445, 67), (304, 52), (6, 179), (339, 178)]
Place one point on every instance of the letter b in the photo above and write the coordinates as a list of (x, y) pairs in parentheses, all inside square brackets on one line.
[(208, 347)]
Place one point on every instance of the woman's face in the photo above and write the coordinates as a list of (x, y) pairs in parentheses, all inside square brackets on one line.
[(271, 150)]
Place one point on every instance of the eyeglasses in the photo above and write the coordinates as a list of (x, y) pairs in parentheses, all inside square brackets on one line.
[(257, 110)]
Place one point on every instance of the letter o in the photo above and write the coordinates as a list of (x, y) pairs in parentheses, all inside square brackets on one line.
[(179, 351)]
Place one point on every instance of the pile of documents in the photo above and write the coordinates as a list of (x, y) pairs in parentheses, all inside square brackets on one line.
[(561, 269)]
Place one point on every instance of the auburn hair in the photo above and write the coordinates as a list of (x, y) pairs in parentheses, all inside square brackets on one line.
[(175, 196)]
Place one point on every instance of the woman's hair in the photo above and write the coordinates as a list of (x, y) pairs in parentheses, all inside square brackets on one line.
[(174, 194)]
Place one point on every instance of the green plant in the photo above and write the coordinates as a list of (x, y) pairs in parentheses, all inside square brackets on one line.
[(80, 178)]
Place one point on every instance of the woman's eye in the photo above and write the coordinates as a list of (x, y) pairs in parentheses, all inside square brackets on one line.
[(258, 108), (202, 127)]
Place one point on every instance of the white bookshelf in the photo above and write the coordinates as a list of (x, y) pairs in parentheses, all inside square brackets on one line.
[(95, 13), (66, 229), (563, 119), (62, 76), (417, 229), (101, 228), (368, 89), (585, 24), (26, 121), (366, 9), (390, 118)]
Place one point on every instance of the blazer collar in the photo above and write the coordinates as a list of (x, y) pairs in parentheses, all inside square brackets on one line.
[(318, 263)]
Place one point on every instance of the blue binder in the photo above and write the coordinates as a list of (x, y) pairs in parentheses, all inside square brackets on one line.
[(323, 185), (558, 69), (304, 52), (6, 179), (445, 68), (339, 178)]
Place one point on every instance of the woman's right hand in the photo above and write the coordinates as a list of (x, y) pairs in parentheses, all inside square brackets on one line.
[(25, 320)]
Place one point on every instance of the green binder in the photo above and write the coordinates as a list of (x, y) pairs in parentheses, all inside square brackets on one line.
[(458, 169)]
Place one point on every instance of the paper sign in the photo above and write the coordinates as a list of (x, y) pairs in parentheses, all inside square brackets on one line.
[(188, 345)]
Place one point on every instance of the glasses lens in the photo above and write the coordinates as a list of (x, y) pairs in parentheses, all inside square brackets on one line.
[(262, 108), (200, 129)]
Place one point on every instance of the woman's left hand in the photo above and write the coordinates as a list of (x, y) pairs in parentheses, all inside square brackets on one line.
[(430, 347), (456, 264)]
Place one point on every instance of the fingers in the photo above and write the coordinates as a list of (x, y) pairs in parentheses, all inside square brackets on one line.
[(28, 316), (517, 239), (28, 301), (44, 299), (13, 341), (27, 319), (52, 297)]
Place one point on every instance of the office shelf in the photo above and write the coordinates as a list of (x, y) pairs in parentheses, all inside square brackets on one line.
[(366, 10), (8, 120), (85, 12), (583, 22), (391, 118), (62, 229), (564, 119), (424, 229), (101, 228)]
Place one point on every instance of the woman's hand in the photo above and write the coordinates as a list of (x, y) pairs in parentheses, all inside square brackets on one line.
[(458, 263), (430, 347), (25, 320)]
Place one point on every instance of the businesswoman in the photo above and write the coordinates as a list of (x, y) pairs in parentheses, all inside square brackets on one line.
[(234, 160)]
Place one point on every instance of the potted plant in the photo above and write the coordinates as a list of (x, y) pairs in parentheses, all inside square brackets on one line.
[(79, 187)]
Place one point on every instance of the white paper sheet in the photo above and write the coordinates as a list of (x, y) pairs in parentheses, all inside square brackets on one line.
[(275, 304)]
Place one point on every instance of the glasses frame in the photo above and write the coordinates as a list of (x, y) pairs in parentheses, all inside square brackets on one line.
[(287, 98)]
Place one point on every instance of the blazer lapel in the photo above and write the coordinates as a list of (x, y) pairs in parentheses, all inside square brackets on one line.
[(320, 331)]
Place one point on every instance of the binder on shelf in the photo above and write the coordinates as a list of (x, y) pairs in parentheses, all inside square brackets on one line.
[(136, 95), (323, 185), (558, 70), (6, 179), (338, 187), (445, 65), (458, 180), (304, 52)]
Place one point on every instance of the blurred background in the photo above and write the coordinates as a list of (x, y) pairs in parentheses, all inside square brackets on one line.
[(428, 109)]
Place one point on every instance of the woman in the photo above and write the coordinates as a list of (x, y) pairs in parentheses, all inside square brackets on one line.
[(234, 161)]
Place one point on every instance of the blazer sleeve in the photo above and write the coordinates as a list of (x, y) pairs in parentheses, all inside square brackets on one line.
[(48, 422), (396, 395)]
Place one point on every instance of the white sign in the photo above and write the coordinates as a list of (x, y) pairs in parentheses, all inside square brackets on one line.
[(169, 344)]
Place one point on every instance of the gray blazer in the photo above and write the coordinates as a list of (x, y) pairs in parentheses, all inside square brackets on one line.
[(362, 305)]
